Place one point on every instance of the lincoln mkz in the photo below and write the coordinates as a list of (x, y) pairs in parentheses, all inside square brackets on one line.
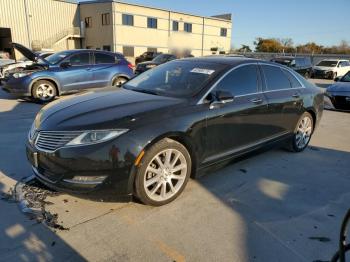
[(149, 137)]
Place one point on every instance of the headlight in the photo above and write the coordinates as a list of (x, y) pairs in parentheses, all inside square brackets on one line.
[(20, 74), (93, 137)]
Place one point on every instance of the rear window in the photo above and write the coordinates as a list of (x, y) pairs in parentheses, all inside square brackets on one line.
[(275, 78), (104, 59)]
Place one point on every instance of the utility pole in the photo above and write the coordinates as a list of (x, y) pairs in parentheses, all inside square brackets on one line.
[(28, 23)]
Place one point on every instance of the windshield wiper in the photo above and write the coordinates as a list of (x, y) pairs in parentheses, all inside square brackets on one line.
[(146, 91)]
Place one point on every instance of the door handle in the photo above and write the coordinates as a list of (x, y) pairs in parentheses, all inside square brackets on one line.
[(256, 100), (296, 95)]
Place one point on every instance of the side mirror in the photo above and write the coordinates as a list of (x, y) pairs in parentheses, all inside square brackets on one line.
[(337, 79), (65, 64), (220, 98)]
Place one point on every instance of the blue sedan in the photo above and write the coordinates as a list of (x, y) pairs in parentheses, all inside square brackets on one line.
[(68, 72)]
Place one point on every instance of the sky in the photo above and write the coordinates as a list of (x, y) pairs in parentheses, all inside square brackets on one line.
[(325, 22)]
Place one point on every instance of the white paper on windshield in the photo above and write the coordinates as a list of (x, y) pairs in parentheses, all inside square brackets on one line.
[(202, 71)]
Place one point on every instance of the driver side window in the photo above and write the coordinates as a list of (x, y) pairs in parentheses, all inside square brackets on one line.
[(79, 59), (240, 81)]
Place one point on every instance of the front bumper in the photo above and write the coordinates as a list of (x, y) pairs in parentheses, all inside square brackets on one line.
[(322, 74), (57, 170), (17, 86)]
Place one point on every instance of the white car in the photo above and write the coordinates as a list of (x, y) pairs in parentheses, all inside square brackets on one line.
[(20, 64), (331, 68)]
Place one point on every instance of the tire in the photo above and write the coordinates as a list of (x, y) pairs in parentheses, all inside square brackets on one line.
[(119, 81), (302, 133), (153, 182), (334, 75), (44, 91), (307, 75)]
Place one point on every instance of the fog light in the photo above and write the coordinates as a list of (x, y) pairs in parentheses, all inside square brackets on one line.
[(86, 179)]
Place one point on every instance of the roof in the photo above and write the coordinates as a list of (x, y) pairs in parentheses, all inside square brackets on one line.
[(219, 17)]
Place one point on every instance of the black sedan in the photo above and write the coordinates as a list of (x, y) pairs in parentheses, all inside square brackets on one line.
[(150, 136), (158, 60), (339, 92)]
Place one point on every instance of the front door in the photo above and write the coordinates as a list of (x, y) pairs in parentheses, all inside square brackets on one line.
[(239, 124), (77, 75)]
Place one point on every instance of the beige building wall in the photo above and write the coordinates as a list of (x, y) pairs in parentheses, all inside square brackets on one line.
[(97, 35), (204, 36), (46, 21)]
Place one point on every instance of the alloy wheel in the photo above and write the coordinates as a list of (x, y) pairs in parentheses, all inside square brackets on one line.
[(45, 92), (304, 132), (165, 175), (119, 81)]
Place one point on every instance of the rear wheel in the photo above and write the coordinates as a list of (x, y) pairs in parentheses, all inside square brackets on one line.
[(302, 133), (44, 91), (307, 75), (163, 173), (119, 81)]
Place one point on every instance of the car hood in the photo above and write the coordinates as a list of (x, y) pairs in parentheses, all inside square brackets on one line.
[(339, 87), (324, 68), (25, 52), (105, 109)]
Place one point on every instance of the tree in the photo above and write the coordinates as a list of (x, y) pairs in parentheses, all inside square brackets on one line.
[(310, 48), (245, 49), (270, 45)]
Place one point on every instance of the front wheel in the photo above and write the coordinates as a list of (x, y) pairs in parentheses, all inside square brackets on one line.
[(163, 173), (302, 133), (44, 91)]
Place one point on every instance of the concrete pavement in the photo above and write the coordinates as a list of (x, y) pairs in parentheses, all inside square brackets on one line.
[(271, 206)]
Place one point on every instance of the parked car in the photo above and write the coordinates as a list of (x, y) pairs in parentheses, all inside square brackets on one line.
[(150, 136), (146, 56), (331, 68), (339, 92), (302, 65), (20, 64), (158, 60), (67, 72)]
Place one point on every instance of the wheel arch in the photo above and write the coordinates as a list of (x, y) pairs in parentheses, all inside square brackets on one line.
[(50, 79), (314, 117), (119, 75), (179, 137)]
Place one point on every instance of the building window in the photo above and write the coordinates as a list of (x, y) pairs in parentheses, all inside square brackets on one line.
[(88, 22), (188, 27), (106, 48), (175, 26), (223, 32), (128, 19), (152, 22), (106, 20), (128, 51)]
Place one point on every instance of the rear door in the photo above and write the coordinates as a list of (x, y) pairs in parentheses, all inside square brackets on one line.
[(239, 124), (284, 97), (104, 68), (78, 75)]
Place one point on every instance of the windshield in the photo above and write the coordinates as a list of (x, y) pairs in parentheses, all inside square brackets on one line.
[(163, 58), (56, 58), (328, 63), (175, 79), (346, 77)]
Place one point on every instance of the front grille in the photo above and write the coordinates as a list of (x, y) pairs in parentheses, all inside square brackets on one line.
[(52, 140)]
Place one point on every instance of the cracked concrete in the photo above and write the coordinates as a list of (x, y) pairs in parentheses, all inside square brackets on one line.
[(272, 206)]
